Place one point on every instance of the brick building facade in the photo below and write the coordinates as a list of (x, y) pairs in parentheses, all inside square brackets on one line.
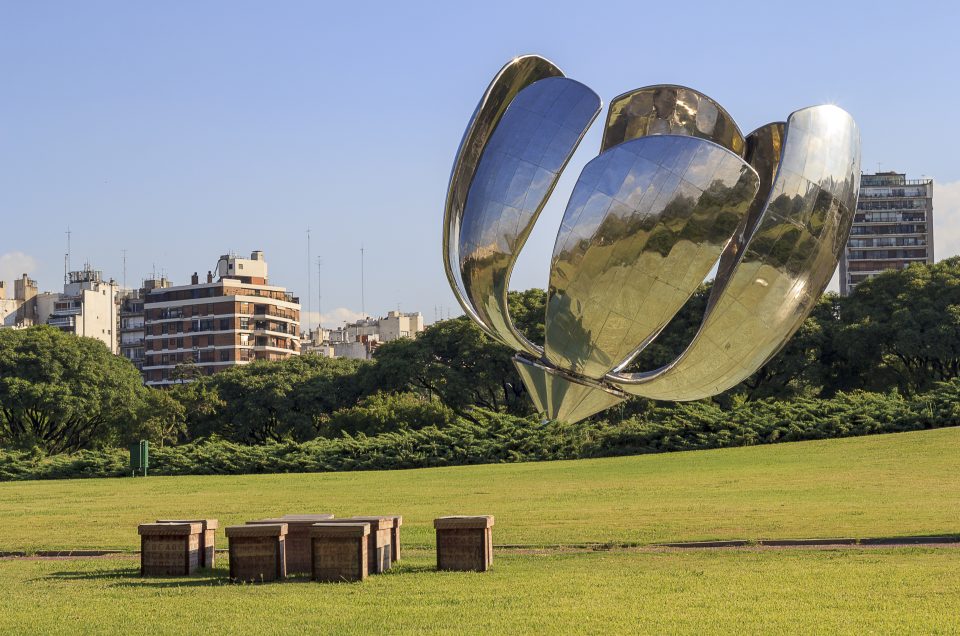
[(215, 325)]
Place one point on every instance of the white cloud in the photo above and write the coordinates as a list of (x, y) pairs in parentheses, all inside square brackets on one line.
[(946, 219), (333, 318), (15, 264)]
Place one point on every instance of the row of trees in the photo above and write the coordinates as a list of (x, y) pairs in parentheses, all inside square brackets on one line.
[(898, 332)]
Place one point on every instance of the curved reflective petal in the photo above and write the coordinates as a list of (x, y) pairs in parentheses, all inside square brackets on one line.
[(563, 396), (512, 78), (647, 221), (669, 109), (763, 149), (786, 264), (517, 171)]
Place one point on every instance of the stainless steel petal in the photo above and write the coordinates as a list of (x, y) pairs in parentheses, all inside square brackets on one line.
[(670, 109), (512, 78), (783, 269), (561, 396), (647, 221), (515, 175)]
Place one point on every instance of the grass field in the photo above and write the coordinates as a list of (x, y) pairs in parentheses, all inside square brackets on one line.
[(890, 591), (908, 483), (892, 485)]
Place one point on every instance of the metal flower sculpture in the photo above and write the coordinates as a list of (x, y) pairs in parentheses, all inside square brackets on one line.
[(676, 190)]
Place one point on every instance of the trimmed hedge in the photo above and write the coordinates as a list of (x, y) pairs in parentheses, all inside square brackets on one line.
[(494, 438)]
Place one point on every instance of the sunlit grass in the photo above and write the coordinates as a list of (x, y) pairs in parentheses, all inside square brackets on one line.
[(902, 590), (900, 484)]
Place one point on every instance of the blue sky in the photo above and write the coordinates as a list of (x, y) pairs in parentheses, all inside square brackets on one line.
[(183, 130)]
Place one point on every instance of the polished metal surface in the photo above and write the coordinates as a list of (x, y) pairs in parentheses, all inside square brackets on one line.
[(518, 169), (562, 395), (515, 75), (523, 133), (675, 191), (783, 268), (668, 109), (647, 221)]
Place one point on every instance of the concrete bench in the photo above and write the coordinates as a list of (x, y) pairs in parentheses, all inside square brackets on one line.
[(257, 551), (208, 538), (297, 540), (169, 549), (464, 543), (339, 551), (379, 548)]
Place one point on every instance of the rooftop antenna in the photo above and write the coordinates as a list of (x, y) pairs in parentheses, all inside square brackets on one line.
[(309, 284), (66, 257), (363, 307), (319, 297), (124, 252)]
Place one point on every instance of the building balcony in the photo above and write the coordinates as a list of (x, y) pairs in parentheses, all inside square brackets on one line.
[(62, 321)]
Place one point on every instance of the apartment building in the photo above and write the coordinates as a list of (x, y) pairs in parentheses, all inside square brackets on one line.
[(892, 228), (8, 308), (87, 307), (132, 332), (19, 311), (218, 324)]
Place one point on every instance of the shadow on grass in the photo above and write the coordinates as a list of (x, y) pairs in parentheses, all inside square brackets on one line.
[(130, 577), (401, 569)]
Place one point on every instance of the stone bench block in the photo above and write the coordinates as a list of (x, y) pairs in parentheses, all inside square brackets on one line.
[(464, 543), (379, 548), (169, 549), (339, 551), (257, 551), (297, 539), (208, 538)]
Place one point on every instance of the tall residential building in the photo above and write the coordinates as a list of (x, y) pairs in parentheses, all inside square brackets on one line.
[(892, 229), (87, 307), (132, 334), (216, 325)]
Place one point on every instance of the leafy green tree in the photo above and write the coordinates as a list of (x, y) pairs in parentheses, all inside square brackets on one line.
[(272, 401), (902, 328), (456, 362), (389, 412), (161, 419), (62, 393)]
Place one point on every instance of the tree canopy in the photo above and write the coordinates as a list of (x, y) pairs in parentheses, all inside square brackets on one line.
[(63, 393)]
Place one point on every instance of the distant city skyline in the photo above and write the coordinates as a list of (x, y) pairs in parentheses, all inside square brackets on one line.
[(179, 132)]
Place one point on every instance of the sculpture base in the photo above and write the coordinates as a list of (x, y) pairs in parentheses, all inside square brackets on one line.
[(561, 396)]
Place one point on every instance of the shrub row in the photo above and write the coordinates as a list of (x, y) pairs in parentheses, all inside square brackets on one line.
[(489, 437)]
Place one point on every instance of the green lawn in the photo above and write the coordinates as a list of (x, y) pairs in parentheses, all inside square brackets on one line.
[(890, 591), (901, 484), (877, 486)]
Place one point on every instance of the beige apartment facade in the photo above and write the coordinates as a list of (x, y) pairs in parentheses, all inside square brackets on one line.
[(213, 326)]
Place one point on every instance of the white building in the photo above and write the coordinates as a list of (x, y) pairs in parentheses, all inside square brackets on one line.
[(8, 308), (358, 340), (19, 311), (87, 307)]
